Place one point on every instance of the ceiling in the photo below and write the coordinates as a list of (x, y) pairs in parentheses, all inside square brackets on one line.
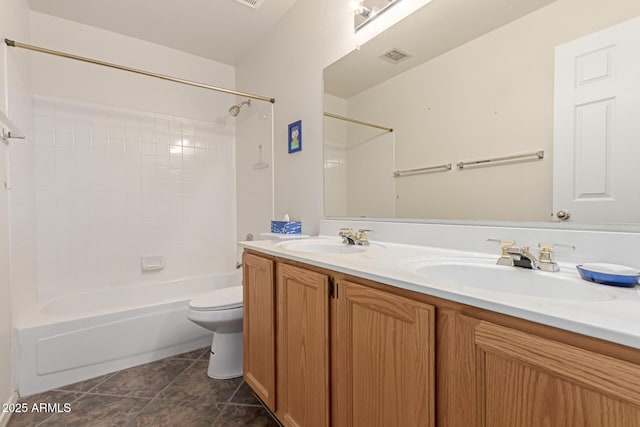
[(222, 30)]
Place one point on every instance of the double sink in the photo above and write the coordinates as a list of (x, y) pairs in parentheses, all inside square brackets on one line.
[(476, 275)]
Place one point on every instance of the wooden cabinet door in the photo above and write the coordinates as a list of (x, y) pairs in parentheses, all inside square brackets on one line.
[(455, 373), (525, 380), (385, 359), (259, 325), (303, 347)]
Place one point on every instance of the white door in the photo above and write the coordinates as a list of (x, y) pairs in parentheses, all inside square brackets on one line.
[(596, 144)]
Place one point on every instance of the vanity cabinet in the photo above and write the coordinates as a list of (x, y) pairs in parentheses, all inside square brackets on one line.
[(384, 358), (345, 354), (302, 306), (326, 349), (526, 380), (258, 327), (492, 374)]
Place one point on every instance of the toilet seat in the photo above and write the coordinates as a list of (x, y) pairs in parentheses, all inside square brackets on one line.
[(221, 299)]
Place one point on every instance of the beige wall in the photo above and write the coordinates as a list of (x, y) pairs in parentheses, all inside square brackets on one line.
[(370, 182), (254, 129), (358, 165), (288, 66), (335, 157), (59, 77), (6, 347), (14, 24), (490, 97)]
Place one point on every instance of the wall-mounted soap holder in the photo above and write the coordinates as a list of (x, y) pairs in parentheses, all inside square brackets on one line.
[(151, 263), (261, 164)]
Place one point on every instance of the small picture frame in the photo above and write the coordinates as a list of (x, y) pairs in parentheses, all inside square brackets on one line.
[(295, 136)]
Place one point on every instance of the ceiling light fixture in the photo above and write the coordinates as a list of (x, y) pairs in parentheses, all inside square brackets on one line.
[(253, 4), (360, 9)]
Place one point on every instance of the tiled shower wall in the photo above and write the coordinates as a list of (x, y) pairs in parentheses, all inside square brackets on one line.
[(114, 185)]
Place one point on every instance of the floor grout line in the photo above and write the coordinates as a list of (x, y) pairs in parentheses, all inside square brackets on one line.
[(224, 405), (134, 417), (245, 404), (193, 362), (119, 395), (224, 408), (236, 391), (81, 395), (148, 398), (227, 403)]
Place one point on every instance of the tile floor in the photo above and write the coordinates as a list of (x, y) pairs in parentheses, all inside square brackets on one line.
[(172, 392)]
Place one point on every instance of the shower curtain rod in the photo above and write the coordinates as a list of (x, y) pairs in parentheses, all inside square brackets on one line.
[(349, 119), (13, 43)]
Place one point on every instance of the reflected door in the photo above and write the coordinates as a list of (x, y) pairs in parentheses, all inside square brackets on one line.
[(596, 126)]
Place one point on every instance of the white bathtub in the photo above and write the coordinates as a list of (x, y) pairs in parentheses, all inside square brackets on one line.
[(72, 338)]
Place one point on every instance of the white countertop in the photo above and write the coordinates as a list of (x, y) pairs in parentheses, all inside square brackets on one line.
[(615, 319)]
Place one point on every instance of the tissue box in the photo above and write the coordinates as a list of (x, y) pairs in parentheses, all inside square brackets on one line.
[(286, 227)]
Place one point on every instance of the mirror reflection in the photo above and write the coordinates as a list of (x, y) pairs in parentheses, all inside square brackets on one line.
[(364, 11), (467, 81)]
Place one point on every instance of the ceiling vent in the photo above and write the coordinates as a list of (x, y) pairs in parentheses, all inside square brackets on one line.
[(395, 56), (253, 4)]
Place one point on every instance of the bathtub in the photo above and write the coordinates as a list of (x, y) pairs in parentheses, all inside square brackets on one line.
[(76, 337)]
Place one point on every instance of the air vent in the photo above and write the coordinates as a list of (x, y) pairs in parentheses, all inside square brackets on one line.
[(395, 56), (253, 4)]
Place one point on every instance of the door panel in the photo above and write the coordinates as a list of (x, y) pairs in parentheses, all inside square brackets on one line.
[(596, 131)]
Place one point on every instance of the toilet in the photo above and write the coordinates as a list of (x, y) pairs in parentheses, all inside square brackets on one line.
[(220, 311)]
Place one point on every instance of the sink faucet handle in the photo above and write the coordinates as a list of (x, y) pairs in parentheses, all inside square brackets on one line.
[(348, 238), (346, 230), (547, 248), (504, 245), (361, 235)]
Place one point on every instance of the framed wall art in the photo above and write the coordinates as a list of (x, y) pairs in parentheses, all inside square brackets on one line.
[(295, 136)]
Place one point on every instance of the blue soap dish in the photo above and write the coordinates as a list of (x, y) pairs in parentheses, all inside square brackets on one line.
[(609, 274)]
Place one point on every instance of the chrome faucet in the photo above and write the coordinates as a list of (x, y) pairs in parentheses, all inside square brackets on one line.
[(348, 238), (351, 238), (546, 260), (523, 258)]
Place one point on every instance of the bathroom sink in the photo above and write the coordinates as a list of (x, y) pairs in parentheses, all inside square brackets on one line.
[(321, 246), (485, 276)]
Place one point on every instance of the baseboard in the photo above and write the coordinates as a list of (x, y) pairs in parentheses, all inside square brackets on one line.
[(5, 416)]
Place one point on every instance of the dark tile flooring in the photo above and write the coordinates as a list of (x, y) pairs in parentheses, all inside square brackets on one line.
[(171, 392)]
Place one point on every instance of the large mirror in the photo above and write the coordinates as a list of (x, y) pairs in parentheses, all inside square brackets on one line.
[(449, 115)]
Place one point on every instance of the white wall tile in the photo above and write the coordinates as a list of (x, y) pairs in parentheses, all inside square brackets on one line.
[(122, 184), (45, 137)]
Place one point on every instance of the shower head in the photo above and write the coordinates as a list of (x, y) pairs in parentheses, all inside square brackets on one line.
[(235, 110)]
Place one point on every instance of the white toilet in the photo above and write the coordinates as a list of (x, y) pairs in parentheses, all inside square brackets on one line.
[(221, 312)]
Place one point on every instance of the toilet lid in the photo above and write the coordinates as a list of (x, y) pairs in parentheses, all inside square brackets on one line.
[(222, 299)]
